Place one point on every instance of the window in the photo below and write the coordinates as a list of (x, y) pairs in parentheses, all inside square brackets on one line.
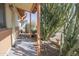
[(2, 16)]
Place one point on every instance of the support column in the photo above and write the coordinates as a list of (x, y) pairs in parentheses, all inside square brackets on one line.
[(13, 25), (30, 25), (38, 30)]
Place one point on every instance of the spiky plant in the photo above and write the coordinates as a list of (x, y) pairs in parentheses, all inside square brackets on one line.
[(71, 32), (53, 16), (56, 16)]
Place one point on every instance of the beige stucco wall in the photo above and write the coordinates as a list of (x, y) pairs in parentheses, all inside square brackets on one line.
[(5, 41), (8, 36), (8, 14), (11, 21)]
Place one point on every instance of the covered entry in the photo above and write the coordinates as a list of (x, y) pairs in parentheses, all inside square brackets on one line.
[(19, 10)]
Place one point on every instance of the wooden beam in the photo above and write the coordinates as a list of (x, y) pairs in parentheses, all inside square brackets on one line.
[(34, 8), (18, 11), (12, 7), (21, 12), (38, 30)]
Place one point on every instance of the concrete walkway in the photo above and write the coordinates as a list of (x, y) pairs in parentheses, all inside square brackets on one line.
[(23, 47)]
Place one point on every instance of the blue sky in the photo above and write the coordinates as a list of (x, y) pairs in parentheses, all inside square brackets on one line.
[(27, 19), (33, 17)]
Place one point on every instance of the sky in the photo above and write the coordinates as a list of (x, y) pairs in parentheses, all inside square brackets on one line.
[(33, 17), (27, 19)]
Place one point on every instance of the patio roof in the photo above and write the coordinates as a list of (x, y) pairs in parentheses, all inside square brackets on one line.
[(22, 7)]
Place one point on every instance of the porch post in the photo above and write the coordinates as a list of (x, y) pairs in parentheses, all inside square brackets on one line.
[(13, 25), (38, 30), (30, 25)]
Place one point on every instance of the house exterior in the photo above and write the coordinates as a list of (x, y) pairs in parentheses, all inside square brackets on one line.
[(7, 34), (9, 14)]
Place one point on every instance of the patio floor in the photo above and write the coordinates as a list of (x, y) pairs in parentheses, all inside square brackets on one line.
[(23, 47)]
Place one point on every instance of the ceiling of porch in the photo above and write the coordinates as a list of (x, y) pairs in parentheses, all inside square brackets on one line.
[(24, 6)]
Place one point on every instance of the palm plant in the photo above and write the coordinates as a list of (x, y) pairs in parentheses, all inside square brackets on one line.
[(56, 16), (53, 16), (71, 27)]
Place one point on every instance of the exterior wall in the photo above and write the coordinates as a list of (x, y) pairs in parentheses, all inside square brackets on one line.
[(11, 21), (5, 41), (8, 35), (8, 15), (2, 16)]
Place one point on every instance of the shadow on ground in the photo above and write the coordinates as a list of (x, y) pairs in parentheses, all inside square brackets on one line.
[(49, 50)]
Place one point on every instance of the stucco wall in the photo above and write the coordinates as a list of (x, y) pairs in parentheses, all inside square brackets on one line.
[(5, 41), (11, 20), (8, 36), (8, 15)]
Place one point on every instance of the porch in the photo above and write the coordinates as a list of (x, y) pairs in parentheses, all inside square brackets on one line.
[(15, 41)]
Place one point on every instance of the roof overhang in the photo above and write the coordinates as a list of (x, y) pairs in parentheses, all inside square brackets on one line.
[(24, 6)]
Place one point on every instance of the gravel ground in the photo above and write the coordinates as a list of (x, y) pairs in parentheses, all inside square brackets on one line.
[(49, 49)]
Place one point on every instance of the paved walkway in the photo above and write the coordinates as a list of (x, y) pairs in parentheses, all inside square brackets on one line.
[(23, 47)]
